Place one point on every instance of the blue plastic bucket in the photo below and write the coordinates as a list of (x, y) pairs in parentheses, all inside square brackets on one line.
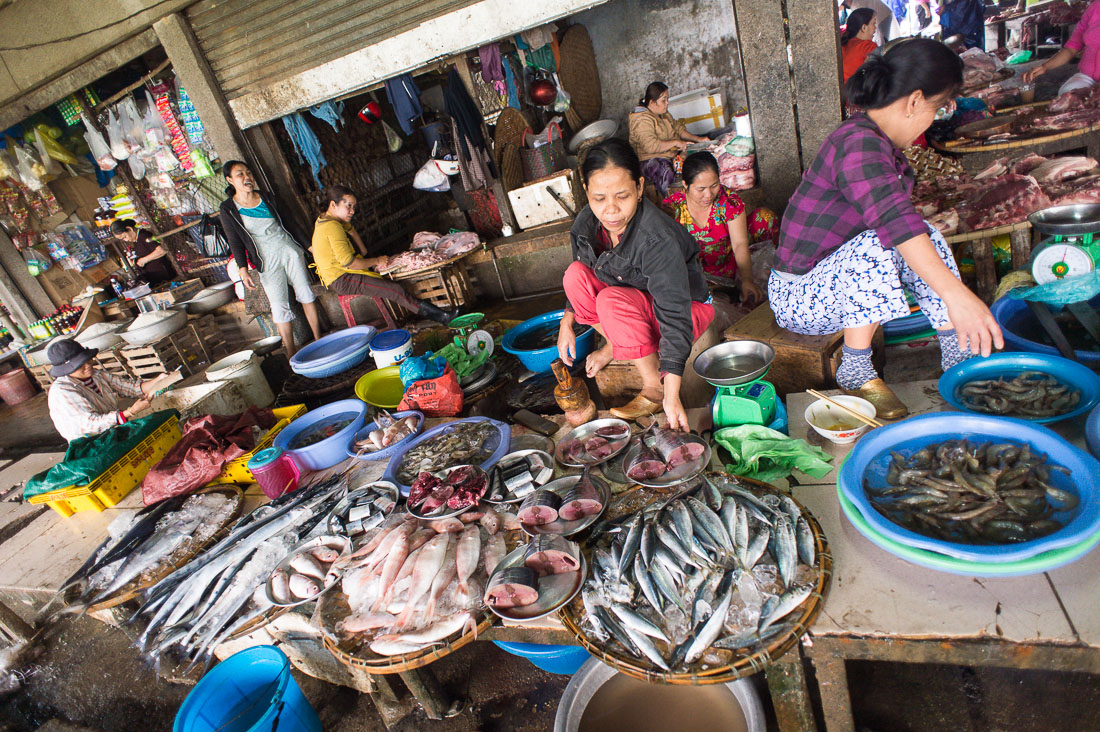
[(564, 660), (251, 691), (1020, 328)]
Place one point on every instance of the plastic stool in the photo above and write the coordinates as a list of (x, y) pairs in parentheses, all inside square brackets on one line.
[(381, 303)]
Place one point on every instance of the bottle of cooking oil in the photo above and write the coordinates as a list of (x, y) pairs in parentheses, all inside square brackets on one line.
[(572, 395)]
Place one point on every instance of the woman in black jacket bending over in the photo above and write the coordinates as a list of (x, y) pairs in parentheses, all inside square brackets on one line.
[(636, 278)]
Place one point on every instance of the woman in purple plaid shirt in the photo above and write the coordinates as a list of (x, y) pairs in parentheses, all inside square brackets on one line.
[(852, 243)]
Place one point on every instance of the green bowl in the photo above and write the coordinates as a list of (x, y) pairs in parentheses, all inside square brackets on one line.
[(931, 560)]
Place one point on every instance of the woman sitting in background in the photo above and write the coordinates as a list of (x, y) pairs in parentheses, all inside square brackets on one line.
[(715, 216), (657, 136), (346, 270), (153, 263), (857, 40)]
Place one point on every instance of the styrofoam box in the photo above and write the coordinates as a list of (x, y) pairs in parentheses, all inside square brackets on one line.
[(533, 205), (701, 110)]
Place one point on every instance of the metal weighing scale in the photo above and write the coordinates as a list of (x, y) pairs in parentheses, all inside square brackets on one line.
[(736, 369), (1070, 251), (468, 336)]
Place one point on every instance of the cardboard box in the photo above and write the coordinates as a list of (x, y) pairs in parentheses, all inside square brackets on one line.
[(700, 110), (62, 285)]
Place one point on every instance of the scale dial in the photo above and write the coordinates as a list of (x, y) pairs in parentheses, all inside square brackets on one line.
[(1058, 261)]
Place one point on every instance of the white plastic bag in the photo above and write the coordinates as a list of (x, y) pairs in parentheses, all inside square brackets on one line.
[(431, 178), (7, 167), (166, 159), (133, 131), (156, 133), (119, 149), (99, 148), (31, 172), (137, 166), (562, 100), (48, 162)]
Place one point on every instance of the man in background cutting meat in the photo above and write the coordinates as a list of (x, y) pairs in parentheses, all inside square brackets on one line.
[(1086, 41)]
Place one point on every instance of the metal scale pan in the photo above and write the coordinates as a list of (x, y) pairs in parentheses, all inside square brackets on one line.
[(734, 362), (1073, 220)]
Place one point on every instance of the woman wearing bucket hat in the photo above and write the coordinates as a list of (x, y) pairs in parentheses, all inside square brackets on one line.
[(86, 400)]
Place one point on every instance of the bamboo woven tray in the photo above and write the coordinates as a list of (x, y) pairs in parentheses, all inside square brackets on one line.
[(405, 274), (987, 233), (743, 663), (256, 623), (580, 76), (963, 147), (181, 556)]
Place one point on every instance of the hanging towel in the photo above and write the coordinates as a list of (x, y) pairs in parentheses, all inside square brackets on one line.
[(467, 119), (306, 144), (539, 37), (542, 58), (474, 171), (404, 96), (510, 82), (491, 67), (330, 112)]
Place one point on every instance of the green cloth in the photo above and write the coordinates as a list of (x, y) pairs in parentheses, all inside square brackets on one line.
[(90, 456), (764, 454)]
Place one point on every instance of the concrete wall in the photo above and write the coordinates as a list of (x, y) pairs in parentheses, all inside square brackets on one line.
[(43, 40), (688, 44)]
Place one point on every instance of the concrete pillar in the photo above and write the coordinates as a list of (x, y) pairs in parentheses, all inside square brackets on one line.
[(20, 291), (815, 72), (192, 69)]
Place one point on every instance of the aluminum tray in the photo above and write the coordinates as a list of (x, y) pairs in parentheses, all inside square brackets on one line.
[(557, 595), (341, 543), (561, 486), (586, 431), (683, 473)]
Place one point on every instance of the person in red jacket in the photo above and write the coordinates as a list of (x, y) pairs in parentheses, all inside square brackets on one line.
[(856, 42)]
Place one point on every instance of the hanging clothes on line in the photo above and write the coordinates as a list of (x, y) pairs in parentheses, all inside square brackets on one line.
[(474, 170), (331, 112), (492, 70), (510, 82), (306, 144), (404, 96), (467, 126)]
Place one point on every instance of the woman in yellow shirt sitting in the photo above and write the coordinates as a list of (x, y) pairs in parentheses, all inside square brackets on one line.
[(346, 271)]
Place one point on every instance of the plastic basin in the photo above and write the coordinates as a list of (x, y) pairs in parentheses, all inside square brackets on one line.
[(381, 387), (335, 353), (871, 455), (331, 450), (502, 448), (539, 360), (251, 691), (385, 452), (1010, 365), (1092, 432), (1020, 329), (564, 660)]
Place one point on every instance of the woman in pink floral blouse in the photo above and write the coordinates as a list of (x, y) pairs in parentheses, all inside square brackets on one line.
[(715, 216)]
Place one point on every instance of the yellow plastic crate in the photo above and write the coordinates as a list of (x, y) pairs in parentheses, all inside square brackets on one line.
[(236, 471), (119, 479)]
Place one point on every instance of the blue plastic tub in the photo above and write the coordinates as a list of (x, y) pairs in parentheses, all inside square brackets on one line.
[(251, 691), (540, 359), (385, 452), (331, 450), (871, 457), (1011, 365), (335, 353), (564, 660), (1092, 432), (1020, 327)]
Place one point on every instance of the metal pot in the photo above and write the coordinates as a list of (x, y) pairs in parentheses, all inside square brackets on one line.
[(594, 674), (156, 331), (268, 345), (211, 298)]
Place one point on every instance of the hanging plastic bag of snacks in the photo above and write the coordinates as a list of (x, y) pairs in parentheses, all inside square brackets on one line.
[(119, 149), (166, 161), (7, 167), (49, 200), (48, 163), (137, 167), (99, 148), (133, 131), (31, 172)]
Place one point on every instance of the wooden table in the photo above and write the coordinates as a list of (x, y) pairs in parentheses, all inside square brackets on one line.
[(882, 608)]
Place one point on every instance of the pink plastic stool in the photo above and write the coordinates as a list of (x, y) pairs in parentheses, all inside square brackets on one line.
[(381, 303)]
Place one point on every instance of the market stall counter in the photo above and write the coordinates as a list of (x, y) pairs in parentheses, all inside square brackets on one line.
[(884, 608)]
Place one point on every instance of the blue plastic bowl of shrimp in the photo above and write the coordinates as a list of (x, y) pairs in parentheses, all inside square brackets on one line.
[(1011, 365), (539, 359), (868, 462)]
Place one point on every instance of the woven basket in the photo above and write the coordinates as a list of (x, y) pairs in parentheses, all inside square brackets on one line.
[(509, 131), (744, 662), (546, 159), (511, 167), (579, 75)]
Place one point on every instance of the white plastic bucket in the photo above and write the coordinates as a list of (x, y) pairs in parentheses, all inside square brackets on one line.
[(243, 369), (391, 347)]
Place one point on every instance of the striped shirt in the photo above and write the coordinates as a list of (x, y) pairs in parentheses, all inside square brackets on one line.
[(859, 180), (78, 410)]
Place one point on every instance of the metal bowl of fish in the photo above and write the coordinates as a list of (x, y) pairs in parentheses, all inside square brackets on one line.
[(564, 506), (734, 362), (447, 493), (661, 457), (519, 474), (704, 587), (593, 442), (307, 571), (536, 579), (363, 509)]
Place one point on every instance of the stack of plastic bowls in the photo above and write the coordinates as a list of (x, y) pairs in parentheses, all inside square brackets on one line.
[(335, 353), (868, 462)]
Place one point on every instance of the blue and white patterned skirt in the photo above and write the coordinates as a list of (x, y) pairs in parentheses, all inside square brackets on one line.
[(859, 284)]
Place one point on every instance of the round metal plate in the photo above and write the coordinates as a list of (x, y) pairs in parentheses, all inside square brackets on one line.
[(561, 486), (341, 543), (557, 594), (1072, 220), (586, 431), (447, 513), (677, 475)]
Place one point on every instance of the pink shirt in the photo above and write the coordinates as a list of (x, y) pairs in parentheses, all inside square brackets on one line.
[(1086, 38)]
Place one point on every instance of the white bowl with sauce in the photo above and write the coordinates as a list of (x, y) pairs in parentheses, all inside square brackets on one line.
[(836, 425)]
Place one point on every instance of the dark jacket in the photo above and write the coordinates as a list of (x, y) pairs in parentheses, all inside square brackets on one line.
[(241, 244), (659, 257)]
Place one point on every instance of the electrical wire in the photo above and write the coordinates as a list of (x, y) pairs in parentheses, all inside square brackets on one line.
[(74, 36)]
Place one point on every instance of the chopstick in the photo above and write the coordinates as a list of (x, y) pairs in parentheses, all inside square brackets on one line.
[(861, 417)]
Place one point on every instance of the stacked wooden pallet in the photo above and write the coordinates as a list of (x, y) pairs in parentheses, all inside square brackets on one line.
[(41, 374), (209, 336), (112, 361), (446, 285), (182, 349)]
